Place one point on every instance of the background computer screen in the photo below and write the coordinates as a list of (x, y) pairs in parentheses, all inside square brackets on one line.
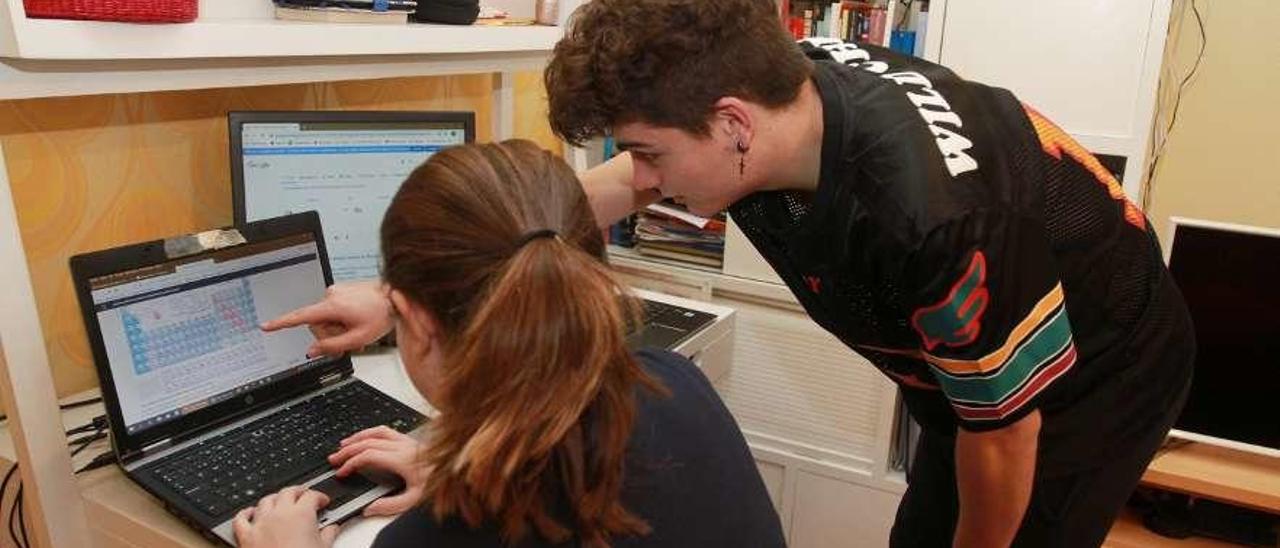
[(1230, 278), (345, 165)]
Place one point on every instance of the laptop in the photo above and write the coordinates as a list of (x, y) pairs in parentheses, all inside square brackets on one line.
[(207, 412), (666, 326)]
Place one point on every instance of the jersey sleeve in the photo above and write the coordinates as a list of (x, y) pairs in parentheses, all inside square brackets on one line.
[(990, 314)]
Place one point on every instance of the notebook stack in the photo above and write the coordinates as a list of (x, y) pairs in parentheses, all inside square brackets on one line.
[(394, 12), (667, 230)]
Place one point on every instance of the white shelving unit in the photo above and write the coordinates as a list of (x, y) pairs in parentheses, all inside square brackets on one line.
[(234, 43), (63, 39), (1091, 66), (49, 58)]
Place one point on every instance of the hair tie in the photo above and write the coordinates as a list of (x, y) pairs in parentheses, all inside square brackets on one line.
[(535, 234)]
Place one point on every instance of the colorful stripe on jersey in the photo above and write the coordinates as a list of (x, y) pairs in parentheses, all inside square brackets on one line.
[(1038, 350), (1055, 142)]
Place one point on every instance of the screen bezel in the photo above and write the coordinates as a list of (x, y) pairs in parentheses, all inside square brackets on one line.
[(1174, 223), (237, 119), (87, 266)]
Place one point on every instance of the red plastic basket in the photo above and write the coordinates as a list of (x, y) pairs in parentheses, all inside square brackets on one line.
[(149, 11)]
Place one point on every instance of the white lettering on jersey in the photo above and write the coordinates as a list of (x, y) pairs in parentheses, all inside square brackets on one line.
[(931, 105)]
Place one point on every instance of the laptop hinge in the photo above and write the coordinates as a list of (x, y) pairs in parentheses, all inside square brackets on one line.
[(330, 378), (162, 444)]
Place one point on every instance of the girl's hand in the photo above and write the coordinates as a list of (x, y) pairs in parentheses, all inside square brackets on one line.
[(286, 519), (385, 450)]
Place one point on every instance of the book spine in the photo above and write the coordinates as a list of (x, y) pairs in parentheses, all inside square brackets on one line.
[(922, 28), (877, 32)]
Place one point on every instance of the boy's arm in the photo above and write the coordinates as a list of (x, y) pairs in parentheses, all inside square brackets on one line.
[(608, 188), (995, 471)]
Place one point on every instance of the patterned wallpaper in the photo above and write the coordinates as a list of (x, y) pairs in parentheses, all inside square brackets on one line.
[(98, 171)]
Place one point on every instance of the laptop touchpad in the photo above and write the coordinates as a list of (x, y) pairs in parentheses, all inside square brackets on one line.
[(341, 490)]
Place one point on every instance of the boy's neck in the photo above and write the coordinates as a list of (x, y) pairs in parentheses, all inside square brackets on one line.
[(792, 146)]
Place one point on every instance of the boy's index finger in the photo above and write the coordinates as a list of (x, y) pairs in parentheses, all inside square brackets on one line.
[(307, 315)]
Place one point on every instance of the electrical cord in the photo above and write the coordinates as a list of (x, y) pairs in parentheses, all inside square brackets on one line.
[(13, 514), (1173, 117), (17, 512), (906, 12), (98, 423), (84, 442), (66, 406), (4, 488), (103, 459), (22, 519)]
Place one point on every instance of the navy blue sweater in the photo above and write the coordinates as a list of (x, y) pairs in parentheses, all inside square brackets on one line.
[(689, 475)]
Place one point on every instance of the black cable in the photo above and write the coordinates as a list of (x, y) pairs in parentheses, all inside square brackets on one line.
[(103, 459), (4, 486), (80, 403), (22, 520), (98, 423), (13, 513), (89, 441), (87, 438), (1173, 118), (19, 534), (66, 406), (906, 11)]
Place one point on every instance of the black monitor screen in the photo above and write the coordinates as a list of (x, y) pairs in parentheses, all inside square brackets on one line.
[(344, 165), (1231, 282)]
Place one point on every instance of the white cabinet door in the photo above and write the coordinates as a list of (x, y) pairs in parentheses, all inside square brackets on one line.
[(818, 417), (830, 513), (1089, 65), (1077, 61)]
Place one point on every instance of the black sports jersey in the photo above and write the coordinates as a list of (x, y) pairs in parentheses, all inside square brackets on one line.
[(961, 242)]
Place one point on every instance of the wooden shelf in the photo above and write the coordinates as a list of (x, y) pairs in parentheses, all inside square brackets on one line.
[(1229, 476), (1233, 477)]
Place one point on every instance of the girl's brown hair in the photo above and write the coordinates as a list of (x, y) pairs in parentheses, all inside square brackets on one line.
[(537, 402)]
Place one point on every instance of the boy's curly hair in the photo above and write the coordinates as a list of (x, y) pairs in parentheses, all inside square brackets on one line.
[(666, 62)]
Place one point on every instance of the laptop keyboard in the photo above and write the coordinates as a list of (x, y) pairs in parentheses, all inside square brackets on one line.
[(666, 326), (237, 468), (658, 313)]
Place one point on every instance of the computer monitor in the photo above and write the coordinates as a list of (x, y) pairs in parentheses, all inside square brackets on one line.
[(345, 165), (1230, 278)]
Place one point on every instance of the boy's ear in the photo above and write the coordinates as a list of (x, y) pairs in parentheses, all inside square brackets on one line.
[(734, 117)]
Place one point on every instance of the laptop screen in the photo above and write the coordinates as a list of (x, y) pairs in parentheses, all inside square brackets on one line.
[(183, 334), (344, 165)]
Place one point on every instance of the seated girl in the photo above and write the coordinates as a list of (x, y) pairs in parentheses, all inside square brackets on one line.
[(551, 432)]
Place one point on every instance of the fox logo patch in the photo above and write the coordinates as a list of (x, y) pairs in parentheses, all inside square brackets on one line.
[(957, 319)]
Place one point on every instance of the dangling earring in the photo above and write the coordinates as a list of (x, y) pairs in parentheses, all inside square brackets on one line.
[(742, 158)]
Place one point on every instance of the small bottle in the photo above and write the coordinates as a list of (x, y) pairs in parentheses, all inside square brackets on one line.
[(547, 12)]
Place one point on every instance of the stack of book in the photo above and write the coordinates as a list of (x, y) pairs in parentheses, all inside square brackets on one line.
[(395, 12), (669, 231)]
